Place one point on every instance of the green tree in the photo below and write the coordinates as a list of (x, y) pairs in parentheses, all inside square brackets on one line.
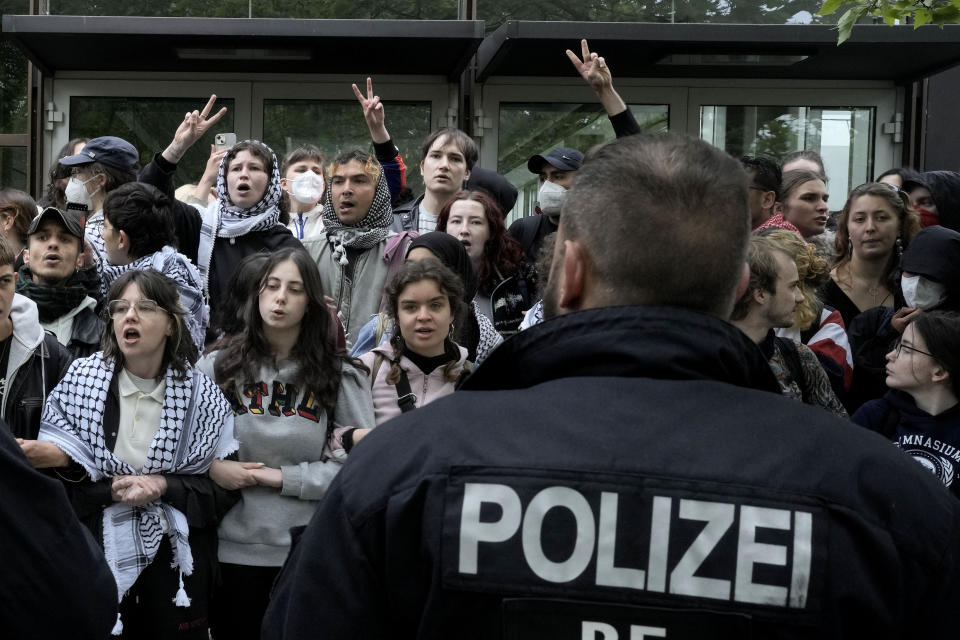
[(919, 12)]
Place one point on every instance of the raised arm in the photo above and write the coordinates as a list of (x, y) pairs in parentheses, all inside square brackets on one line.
[(595, 72), (194, 125), (386, 151)]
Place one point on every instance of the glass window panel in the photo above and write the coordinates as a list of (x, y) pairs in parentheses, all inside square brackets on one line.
[(496, 12), (383, 9), (14, 89), (842, 136), (13, 167), (527, 129), (148, 124), (337, 126)]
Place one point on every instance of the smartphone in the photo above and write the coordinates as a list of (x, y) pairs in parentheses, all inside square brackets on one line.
[(223, 141)]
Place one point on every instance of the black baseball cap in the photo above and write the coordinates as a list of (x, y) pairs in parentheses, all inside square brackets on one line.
[(563, 158), (109, 150), (72, 221)]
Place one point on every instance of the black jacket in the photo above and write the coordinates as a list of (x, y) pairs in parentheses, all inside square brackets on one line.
[(35, 379), (85, 335), (55, 582), (614, 468)]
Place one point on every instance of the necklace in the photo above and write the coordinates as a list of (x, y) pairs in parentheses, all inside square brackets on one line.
[(872, 289)]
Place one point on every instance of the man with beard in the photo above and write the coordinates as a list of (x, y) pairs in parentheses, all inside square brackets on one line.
[(770, 302), (51, 278), (628, 468)]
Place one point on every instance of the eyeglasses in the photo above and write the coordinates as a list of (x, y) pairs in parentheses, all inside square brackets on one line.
[(899, 347), (144, 307)]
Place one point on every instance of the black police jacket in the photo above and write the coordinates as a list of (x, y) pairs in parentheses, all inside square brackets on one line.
[(624, 473)]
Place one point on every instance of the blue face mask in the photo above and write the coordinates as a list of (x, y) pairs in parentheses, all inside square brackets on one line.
[(920, 292)]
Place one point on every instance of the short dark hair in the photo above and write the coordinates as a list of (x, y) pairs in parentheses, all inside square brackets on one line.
[(761, 257), (115, 177), (179, 351), (905, 173), (21, 207), (940, 331), (765, 173), (301, 153), (805, 154), (464, 142), (143, 213), (665, 220)]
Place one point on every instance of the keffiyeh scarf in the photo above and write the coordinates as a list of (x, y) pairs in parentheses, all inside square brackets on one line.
[(178, 268), (195, 429), (370, 231), (223, 219)]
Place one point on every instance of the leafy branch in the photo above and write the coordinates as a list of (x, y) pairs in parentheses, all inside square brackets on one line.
[(920, 12)]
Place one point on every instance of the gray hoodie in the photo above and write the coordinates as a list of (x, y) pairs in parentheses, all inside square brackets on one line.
[(280, 428)]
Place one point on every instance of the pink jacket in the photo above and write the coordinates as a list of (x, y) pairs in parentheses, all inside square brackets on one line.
[(427, 388)]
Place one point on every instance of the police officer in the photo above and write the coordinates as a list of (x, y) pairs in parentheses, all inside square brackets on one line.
[(628, 468)]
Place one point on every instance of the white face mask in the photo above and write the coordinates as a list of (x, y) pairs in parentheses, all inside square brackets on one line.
[(550, 198), (920, 292), (76, 192), (307, 187)]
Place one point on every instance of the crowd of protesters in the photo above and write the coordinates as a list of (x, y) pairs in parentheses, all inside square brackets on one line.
[(195, 371)]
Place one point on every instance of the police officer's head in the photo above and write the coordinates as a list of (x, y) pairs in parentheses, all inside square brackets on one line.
[(652, 220)]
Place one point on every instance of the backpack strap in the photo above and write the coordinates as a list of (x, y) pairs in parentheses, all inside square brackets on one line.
[(406, 399), (788, 351)]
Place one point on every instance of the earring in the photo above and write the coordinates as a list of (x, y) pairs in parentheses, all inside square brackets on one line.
[(899, 246)]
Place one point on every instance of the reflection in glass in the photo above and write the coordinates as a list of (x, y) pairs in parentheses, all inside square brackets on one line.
[(148, 124), (527, 129), (298, 9), (496, 12), (13, 167), (13, 89), (337, 126), (842, 136)]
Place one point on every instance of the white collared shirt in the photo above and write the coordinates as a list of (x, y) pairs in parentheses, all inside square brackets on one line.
[(141, 407)]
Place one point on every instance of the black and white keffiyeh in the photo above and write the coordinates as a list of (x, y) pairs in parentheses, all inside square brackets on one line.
[(370, 231), (195, 429), (178, 268), (223, 219)]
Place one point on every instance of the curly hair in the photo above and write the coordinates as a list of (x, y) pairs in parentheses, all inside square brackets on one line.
[(813, 269), (501, 253), (319, 363), (449, 284), (179, 350), (909, 226)]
